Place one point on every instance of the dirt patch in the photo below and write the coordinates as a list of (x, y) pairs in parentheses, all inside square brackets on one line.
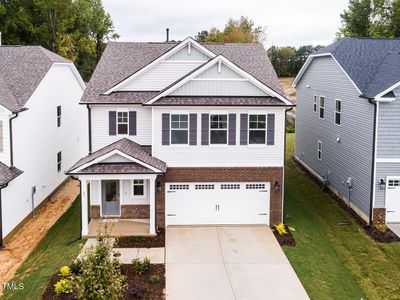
[(286, 83), (285, 239), (387, 236), (30, 234), (141, 242), (136, 284)]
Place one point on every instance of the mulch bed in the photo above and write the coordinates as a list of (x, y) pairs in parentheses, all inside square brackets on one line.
[(142, 241), (286, 239), (382, 237), (136, 284)]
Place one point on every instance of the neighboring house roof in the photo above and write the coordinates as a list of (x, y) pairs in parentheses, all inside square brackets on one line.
[(372, 64), (22, 68), (127, 147), (7, 174), (121, 60), (216, 101)]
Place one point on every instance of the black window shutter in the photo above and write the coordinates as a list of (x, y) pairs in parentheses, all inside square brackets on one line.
[(232, 129), (270, 129), (132, 123), (165, 129), (243, 128), (205, 127), (112, 123), (193, 129)]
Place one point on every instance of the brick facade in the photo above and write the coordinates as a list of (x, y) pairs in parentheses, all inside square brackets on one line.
[(135, 211), (379, 216), (223, 175), (95, 211)]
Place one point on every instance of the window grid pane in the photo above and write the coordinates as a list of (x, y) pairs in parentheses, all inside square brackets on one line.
[(218, 129)]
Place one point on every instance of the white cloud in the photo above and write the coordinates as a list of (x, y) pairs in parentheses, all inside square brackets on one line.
[(288, 22)]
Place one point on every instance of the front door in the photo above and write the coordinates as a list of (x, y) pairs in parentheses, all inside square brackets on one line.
[(393, 200), (110, 199)]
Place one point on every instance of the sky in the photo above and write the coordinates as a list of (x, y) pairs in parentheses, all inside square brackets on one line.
[(287, 22)]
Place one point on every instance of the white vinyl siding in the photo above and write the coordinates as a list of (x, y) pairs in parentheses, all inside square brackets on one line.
[(1, 137), (100, 136), (220, 156)]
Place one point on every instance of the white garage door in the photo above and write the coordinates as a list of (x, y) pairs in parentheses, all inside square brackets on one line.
[(393, 199), (217, 203)]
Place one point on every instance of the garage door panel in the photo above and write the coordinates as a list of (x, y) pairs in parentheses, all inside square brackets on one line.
[(393, 200), (217, 203)]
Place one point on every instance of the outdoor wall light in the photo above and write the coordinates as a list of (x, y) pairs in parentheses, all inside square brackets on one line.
[(382, 184), (158, 186), (276, 186)]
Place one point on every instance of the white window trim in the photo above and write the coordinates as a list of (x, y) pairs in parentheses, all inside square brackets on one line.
[(336, 112), (319, 151), (127, 131), (59, 162), (227, 129), (170, 129), (144, 189), (323, 107), (248, 130), (315, 104)]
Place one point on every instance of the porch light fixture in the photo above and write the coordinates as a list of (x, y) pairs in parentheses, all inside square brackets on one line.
[(158, 186), (382, 184), (276, 186)]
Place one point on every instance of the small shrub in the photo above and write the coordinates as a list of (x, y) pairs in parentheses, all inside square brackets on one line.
[(139, 238), (141, 266), (137, 292), (64, 286), (154, 279), (382, 228), (281, 229), (65, 271), (76, 267)]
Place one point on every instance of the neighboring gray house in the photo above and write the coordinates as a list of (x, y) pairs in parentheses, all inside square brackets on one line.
[(348, 123)]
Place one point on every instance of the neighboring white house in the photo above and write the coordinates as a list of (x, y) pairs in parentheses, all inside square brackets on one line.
[(43, 129), (184, 133)]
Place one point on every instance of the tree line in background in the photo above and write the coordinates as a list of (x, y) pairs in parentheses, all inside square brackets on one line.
[(75, 29)]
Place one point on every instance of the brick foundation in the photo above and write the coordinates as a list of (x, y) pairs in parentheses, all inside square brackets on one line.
[(223, 175), (135, 211), (95, 211), (379, 216)]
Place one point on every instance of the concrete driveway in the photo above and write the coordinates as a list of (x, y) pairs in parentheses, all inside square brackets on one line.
[(228, 262)]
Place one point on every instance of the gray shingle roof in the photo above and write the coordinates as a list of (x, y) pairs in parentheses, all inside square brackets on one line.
[(121, 60), (117, 168), (22, 68), (215, 101), (7, 174), (129, 148), (373, 64)]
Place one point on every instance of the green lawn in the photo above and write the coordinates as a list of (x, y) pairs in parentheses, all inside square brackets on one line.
[(59, 247), (335, 262)]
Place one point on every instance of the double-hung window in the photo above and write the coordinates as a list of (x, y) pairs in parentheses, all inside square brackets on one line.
[(122, 122), (319, 150), (338, 112), (138, 187), (315, 103), (59, 116), (257, 129), (321, 107), (218, 129), (59, 162), (179, 129)]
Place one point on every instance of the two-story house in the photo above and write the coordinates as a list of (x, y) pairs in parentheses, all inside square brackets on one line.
[(42, 129), (184, 133), (348, 123)]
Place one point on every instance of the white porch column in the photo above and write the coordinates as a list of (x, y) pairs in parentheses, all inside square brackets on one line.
[(84, 208), (152, 195)]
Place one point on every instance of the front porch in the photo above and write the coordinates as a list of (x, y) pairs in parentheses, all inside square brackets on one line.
[(120, 227)]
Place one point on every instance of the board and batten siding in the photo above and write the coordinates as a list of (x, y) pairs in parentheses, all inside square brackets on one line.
[(388, 139), (37, 139), (352, 156), (201, 155), (100, 126), (382, 171)]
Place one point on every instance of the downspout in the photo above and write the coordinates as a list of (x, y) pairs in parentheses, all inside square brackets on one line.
[(90, 128), (284, 165), (1, 217), (11, 140), (80, 193), (371, 205)]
